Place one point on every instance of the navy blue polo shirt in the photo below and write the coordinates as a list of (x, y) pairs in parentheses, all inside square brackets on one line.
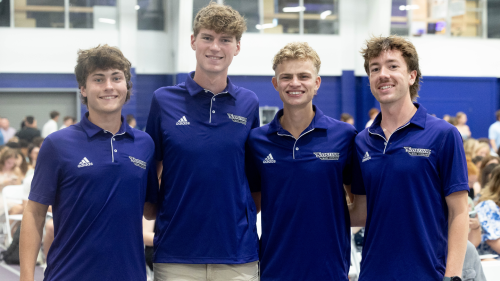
[(305, 220), (97, 185), (406, 179), (206, 212)]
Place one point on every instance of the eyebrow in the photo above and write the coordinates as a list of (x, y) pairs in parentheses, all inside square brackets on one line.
[(387, 61), (102, 75)]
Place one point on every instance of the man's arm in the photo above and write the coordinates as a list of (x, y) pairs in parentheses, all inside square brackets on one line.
[(31, 238), (458, 225), (357, 208), (149, 211), (256, 199), (159, 169)]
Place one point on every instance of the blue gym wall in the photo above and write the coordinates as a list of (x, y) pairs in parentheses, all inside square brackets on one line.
[(477, 97)]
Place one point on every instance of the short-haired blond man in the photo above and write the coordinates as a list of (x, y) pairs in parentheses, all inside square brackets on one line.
[(206, 221), (297, 166), (410, 176)]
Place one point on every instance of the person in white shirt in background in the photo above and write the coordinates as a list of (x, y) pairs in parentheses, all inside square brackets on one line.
[(6, 130), (51, 125), (67, 121)]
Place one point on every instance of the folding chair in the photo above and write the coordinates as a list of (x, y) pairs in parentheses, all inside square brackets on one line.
[(12, 193)]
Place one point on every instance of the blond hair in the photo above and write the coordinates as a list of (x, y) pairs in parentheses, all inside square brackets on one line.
[(297, 51), (492, 189), (221, 19)]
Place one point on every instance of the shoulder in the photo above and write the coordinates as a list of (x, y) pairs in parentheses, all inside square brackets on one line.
[(71, 133), (165, 92), (334, 124), (245, 94), (434, 123), (259, 132), (142, 137)]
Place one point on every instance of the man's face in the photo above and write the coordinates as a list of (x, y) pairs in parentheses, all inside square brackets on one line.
[(214, 51), (389, 78), (297, 82), (106, 91)]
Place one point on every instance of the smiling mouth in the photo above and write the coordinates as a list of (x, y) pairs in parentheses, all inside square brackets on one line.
[(295, 93), (108, 97), (386, 87), (214, 57)]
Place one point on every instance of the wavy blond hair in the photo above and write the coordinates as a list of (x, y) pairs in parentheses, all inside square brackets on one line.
[(297, 51), (221, 19)]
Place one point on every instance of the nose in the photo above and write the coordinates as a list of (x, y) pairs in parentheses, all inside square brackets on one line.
[(108, 84), (214, 46), (295, 81), (384, 72)]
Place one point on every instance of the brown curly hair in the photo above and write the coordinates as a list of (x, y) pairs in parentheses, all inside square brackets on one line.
[(221, 19), (297, 51), (376, 45), (101, 57)]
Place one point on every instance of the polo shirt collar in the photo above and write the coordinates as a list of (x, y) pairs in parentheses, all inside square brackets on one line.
[(193, 87), (92, 129), (418, 120), (319, 122)]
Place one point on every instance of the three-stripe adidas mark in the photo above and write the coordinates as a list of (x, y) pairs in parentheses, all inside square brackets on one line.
[(182, 121), (269, 159), (84, 163)]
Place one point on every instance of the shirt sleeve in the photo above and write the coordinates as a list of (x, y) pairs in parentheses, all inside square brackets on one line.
[(251, 169), (452, 166), (153, 128), (47, 174), (256, 119), (489, 217), (492, 134), (357, 185)]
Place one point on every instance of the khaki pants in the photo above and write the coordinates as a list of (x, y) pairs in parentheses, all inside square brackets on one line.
[(206, 272)]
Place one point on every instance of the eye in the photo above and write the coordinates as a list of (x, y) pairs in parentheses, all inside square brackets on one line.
[(393, 66), (98, 80), (375, 69)]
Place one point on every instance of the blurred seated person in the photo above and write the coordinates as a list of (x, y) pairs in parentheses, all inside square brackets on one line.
[(372, 114), (131, 120), (37, 141), (10, 174), (30, 130), (485, 176), (470, 146), (461, 125), (346, 117), (473, 173), (67, 121), (482, 149), (488, 212)]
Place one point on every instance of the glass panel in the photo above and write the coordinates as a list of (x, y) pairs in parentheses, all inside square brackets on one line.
[(493, 19), (96, 14), (39, 13), (456, 17), (150, 15), (281, 16), (399, 18), (248, 9), (321, 16), (4, 13)]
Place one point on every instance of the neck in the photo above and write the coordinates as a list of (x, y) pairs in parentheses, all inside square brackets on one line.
[(215, 82), (396, 115), (296, 120), (110, 122)]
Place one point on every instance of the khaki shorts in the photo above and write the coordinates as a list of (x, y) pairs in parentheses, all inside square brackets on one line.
[(206, 272)]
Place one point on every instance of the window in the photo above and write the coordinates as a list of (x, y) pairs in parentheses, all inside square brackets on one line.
[(39, 13), (150, 15), (96, 14), (458, 18), (4, 13), (493, 18), (284, 16)]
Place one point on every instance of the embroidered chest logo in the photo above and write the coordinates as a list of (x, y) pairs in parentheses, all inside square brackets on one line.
[(418, 151), (327, 155), (237, 119), (182, 121), (269, 159), (138, 163), (85, 163), (366, 157)]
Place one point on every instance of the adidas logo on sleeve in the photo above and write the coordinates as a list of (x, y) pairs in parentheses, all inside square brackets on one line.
[(182, 121), (269, 159), (85, 163)]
